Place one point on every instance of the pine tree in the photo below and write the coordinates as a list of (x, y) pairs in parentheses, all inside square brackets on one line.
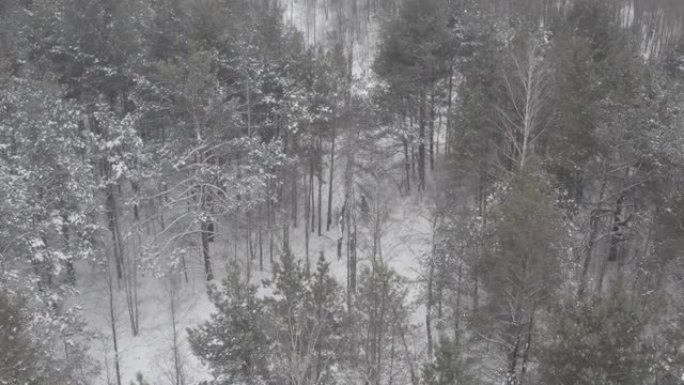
[(307, 314), (449, 367), (412, 58), (521, 269), (233, 343), (598, 341), (26, 357)]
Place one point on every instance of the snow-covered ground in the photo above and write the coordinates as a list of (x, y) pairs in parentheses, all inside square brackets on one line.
[(405, 240), (149, 353)]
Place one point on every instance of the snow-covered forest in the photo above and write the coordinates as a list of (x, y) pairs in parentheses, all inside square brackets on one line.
[(341, 192)]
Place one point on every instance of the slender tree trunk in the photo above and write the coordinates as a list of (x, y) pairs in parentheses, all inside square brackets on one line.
[(440, 292), (593, 233), (270, 212), (432, 131), (185, 268), (412, 147), (407, 163), (380, 322), (447, 131), (409, 359), (131, 274), (350, 208), (250, 246), (414, 162), (512, 378), (593, 230), (407, 158), (162, 199), (286, 236), (261, 251), (112, 318), (307, 218), (71, 271), (438, 130), (350, 257), (482, 211), (330, 180), (295, 179), (354, 248), (249, 258), (113, 224), (177, 364), (131, 286), (457, 308), (476, 295), (312, 194), (372, 327), (392, 356), (421, 140), (204, 237), (528, 347), (320, 186), (428, 311)]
